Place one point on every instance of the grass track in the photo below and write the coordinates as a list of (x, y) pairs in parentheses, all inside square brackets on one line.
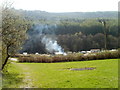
[(55, 75)]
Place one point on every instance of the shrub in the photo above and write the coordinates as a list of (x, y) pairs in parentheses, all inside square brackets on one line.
[(70, 57)]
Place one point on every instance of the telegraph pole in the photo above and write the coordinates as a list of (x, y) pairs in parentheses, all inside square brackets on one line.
[(103, 22)]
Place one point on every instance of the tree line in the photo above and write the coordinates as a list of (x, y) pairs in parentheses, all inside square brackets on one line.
[(74, 35)]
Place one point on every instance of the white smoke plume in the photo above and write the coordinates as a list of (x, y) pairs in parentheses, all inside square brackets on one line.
[(50, 43), (52, 46)]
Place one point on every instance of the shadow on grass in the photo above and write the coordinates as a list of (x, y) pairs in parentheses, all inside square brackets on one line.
[(10, 80)]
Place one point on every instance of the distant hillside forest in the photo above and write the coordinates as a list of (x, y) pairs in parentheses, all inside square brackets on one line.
[(75, 31)]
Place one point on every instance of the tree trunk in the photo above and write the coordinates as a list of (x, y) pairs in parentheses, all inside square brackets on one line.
[(3, 65), (6, 59)]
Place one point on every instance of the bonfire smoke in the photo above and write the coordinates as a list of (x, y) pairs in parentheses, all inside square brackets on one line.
[(50, 43)]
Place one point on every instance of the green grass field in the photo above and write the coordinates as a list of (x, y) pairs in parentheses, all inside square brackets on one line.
[(56, 75)]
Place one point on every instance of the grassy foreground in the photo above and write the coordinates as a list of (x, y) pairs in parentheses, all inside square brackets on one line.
[(58, 75)]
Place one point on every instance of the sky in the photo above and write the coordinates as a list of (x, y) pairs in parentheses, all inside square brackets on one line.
[(67, 5)]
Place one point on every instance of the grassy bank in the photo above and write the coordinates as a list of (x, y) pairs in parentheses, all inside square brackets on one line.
[(61, 75)]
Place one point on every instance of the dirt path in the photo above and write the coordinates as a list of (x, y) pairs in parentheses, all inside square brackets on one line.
[(27, 81)]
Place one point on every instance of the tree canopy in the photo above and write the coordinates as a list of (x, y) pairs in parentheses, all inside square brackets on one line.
[(14, 28)]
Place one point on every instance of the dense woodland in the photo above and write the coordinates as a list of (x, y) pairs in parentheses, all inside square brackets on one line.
[(74, 32)]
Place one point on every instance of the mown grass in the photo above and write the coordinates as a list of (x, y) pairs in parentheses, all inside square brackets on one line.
[(58, 75), (12, 78)]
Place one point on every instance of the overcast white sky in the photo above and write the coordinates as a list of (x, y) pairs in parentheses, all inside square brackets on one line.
[(67, 5)]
